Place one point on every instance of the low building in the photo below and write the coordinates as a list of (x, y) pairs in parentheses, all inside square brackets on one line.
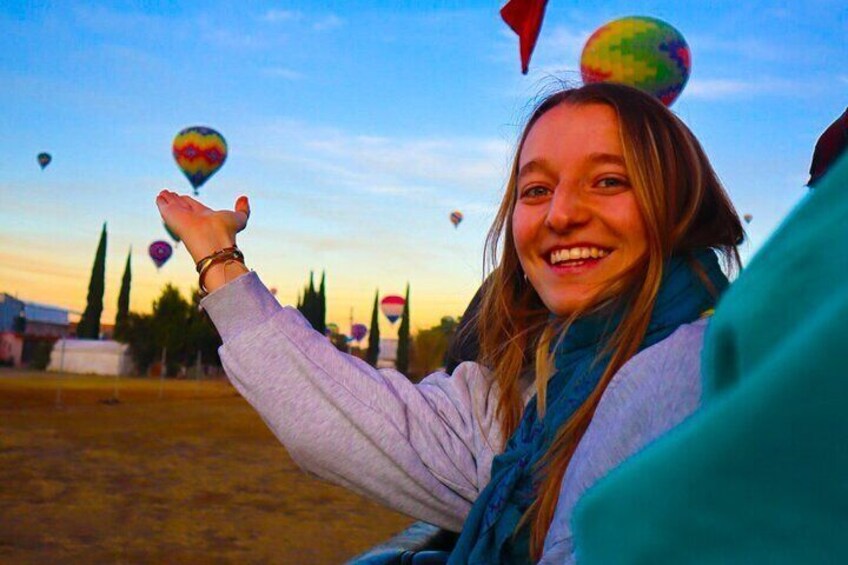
[(25, 325), (91, 356)]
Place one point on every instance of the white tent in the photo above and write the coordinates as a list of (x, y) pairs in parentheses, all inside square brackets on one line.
[(91, 356)]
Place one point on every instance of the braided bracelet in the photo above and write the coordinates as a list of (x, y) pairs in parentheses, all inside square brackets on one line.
[(226, 255)]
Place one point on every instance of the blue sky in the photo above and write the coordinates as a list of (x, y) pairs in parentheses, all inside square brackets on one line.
[(355, 128)]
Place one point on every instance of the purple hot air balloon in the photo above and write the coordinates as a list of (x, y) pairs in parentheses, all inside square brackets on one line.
[(160, 252), (358, 331)]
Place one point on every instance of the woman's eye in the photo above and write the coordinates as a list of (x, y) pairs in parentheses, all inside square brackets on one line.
[(613, 182), (534, 191)]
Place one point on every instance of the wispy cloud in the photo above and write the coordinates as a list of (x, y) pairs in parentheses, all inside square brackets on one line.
[(316, 22), (282, 72), (413, 167), (719, 89), (275, 16), (328, 22)]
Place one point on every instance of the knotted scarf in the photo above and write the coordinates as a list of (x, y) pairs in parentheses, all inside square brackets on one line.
[(489, 534)]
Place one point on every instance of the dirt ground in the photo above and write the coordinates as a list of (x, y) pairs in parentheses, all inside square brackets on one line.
[(181, 473)]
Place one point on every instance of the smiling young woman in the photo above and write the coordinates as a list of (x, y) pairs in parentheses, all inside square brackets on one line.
[(591, 324), (601, 170)]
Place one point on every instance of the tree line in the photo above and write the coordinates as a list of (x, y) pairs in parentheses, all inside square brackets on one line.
[(180, 334)]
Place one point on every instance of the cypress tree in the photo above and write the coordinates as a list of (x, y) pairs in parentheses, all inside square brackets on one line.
[(309, 301), (89, 324), (402, 361), (374, 334), (124, 301), (321, 307)]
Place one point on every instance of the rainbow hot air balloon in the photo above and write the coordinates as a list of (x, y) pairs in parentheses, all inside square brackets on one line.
[(392, 307), (456, 218), (44, 159), (199, 151), (160, 252), (358, 331), (639, 51)]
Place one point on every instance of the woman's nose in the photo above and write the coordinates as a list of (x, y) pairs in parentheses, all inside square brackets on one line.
[(567, 209)]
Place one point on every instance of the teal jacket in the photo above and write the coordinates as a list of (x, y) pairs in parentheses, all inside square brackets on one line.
[(760, 473)]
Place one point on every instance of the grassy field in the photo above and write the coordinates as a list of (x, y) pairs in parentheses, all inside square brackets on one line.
[(185, 473)]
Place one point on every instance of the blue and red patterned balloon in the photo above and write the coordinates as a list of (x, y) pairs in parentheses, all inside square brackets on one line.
[(392, 307), (358, 331), (160, 252), (456, 218), (639, 51), (199, 151)]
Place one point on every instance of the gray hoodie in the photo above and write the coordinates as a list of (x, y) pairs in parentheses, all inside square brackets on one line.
[(426, 449)]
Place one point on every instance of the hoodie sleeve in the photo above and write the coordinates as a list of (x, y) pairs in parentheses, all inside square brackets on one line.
[(423, 449)]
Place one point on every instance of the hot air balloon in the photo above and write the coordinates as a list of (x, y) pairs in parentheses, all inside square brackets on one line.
[(392, 307), (456, 218), (160, 252), (273, 290), (332, 328), (748, 218), (44, 159), (643, 52), (171, 233), (358, 331), (199, 151)]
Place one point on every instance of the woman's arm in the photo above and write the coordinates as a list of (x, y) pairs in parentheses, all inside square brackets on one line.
[(423, 449)]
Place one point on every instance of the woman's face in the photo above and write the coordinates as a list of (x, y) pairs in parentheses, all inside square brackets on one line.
[(576, 223)]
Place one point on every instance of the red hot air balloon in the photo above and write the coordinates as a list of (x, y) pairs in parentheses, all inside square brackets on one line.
[(392, 307), (160, 252), (358, 331)]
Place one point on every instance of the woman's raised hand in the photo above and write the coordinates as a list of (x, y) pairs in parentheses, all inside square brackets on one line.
[(202, 230)]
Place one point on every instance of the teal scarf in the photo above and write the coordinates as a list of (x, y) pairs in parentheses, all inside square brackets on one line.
[(489, 534)]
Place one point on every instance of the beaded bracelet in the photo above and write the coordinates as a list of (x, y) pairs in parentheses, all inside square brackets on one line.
[(226, 255)]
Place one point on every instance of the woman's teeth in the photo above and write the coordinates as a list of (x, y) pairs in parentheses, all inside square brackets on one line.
[(577, 253)]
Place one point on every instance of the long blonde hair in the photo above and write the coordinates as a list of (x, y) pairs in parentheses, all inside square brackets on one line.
[(684, 208)]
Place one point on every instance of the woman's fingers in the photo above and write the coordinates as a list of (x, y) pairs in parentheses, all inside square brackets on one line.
[(242, 209)]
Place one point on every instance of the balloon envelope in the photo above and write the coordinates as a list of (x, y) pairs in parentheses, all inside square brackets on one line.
[(748, 218), (44, 159), (171, 233), (392, 307), (456, 218), (199, 151), (358, 331), (643, 52), (160, 252), (332, 328)]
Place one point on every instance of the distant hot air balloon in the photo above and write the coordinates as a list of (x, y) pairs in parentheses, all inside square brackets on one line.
[(456, 218), (273, 291), (171, 233), (200, 151), (358, 331), (392, 307), (332, 328), (44, 159), (160, 252), (748, 218), (639, 51)]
